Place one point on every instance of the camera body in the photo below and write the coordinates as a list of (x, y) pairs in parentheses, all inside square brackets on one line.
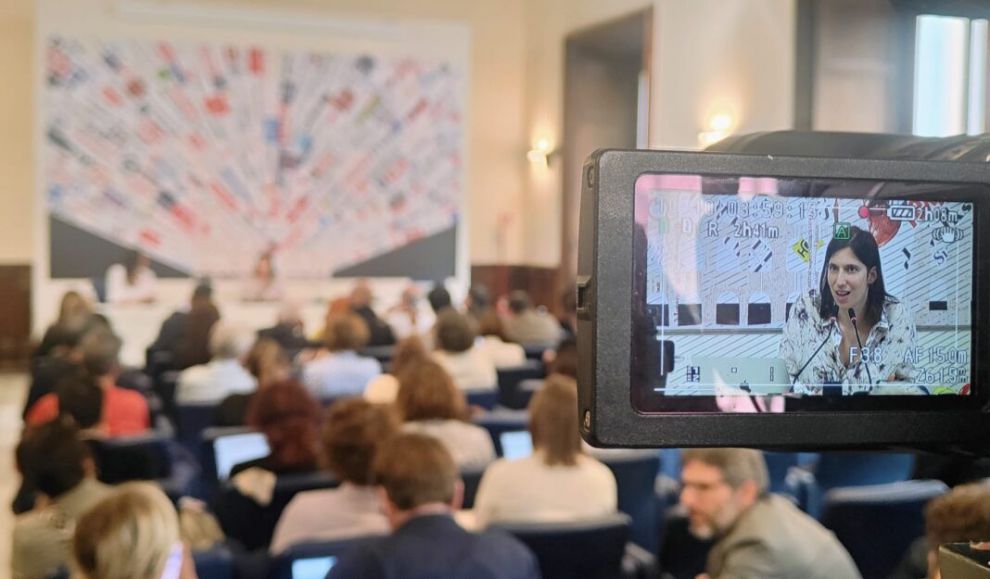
[(691, 264)]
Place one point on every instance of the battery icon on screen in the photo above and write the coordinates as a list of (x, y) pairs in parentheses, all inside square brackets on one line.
[(901, 213)]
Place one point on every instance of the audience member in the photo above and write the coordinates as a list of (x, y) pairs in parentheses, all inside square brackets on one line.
[(724, 491), (379, 332), (63, 358), (131, 534), (194, 347), (961, 516), (288, 417), (429, 403), (353, 432), (74, 313), (224, 374), (267, 362), (407, 318), (124, 411), (383, 388), (528, 326), (420, 491), (564, 359), (561, 482), (175, 329), (338, 370), (478, 301), (468, 365), (288, 331), (57, 464), (502, 353), (439, 298), (132, 282), (263, 285), (80, 399)]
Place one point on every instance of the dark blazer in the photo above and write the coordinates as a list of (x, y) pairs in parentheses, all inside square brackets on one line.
[(435, 547)]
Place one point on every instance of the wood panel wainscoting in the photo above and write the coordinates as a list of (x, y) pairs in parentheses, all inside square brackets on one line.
[(540, 282), (15, 316)]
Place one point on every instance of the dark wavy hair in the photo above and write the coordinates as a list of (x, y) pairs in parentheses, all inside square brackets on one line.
[(289, 418), (865, 248)]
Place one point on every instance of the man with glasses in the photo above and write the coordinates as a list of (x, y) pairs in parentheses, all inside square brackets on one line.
[(724, 491)]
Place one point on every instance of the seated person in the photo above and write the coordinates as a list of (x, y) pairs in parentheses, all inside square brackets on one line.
[(125, 412), (420, 491), (353, 433), (429, 403), (133, 533), (224, 374), (269, 365), (193, 349), (528, 326), (492, 340), (379, 332), (337, 369), (74, 315), (175, 328), (439, 298), (724, 491), (63, 358), (407, 318), (558, 482), (263, 285), (820, 340), (133, 282), (288, 330), (383, 388), (57, 464), (961, 516), (468, 364), (478, 301)]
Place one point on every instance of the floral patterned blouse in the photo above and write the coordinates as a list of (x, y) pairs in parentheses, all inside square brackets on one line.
[(884, 350)]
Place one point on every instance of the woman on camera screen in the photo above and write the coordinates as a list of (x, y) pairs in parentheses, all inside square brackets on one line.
[(849, 336)]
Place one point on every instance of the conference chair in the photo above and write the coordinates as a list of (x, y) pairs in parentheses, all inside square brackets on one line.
[(852, 469), (592, 549), (878, 523), (311, 560), (471, 478), (484, 398), (149, 456), (635, 477), (217, 563), (193, 419), (510, 379), (381, 353)]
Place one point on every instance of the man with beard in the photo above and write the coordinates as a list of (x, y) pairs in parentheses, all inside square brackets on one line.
[(724, 491)]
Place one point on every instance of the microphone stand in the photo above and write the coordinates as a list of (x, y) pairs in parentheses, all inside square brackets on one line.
[(852, 318)]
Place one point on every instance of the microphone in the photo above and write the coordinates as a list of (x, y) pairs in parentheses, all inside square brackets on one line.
[(831, 327), (852, 318)]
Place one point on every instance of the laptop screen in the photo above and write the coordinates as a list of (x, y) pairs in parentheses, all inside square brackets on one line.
[(315, 568), (516, 444), (237, 448)]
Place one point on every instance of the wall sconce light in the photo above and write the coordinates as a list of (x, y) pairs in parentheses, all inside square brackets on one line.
[(542, 152), (718, 127)]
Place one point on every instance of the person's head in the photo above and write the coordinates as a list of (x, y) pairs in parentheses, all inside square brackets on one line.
[(565, 360), (353, 432), (80, 399), (268, 362), (65, 339), (408, 351), (553, 421), (409, 298), (962, 515), (345, 332), (720, 484), (453, 331), (439, 298), (519, 301), (52, 458), (361, 295), (289, 314), (264, 268), (136, 261), (852, 277), (202, 296), (288, 417), (229, 341), (100, 353), (130, 534), (427, 392), (416, 472), (479, 299), (490, 324), (195, 346), (74, 309)]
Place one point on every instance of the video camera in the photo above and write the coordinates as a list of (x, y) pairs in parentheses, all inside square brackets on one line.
[(782, 301)]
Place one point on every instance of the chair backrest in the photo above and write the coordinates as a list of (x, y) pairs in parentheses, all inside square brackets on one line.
[(193, 420), (471, 478), (300, 561), (165, 385), (847, 469), (381, 353), (878, 523), (590, 549), (778, 465), (483, 398), (510, 394), (501, 421), (217, 563), (635, 477), (140, 457)]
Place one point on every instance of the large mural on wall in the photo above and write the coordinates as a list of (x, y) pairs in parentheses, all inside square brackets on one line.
[(205, 156)]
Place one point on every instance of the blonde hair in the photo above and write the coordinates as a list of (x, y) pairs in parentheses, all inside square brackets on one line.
[(553, 421), (345, 332), (128, 535)]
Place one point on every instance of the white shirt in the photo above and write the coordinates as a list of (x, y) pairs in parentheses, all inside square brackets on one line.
[(471, 369), (468, 444), (118, 291), (340, 374), (214, 381), (503, 354), (402, 323), (527, 490), (329, 514)]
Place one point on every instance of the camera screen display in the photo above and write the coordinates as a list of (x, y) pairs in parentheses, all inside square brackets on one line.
[(767, 288)]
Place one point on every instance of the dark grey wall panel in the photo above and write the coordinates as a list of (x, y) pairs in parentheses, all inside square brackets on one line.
[(432, 258), (76, 253)]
